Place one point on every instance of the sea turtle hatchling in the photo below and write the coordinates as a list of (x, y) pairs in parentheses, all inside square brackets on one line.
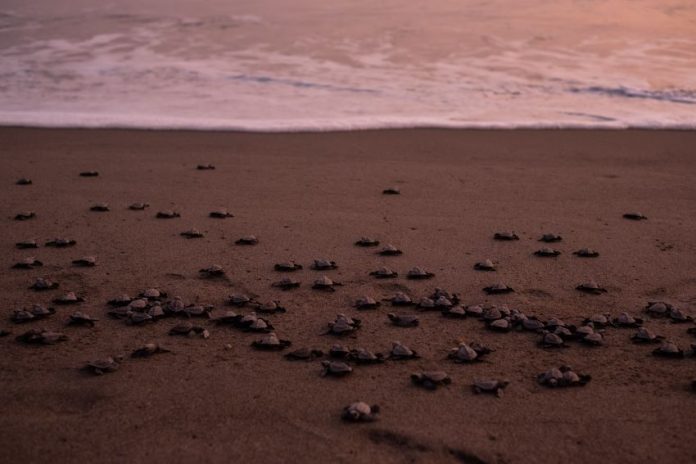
[(60, 243), (85, 261), (89, 173), (547, 253), (103, 366), (366, 242), (220, 214), (325, 284), (366, 302), (676, 315), (505, 236), (401, 299), (335, 369), (304, 354), (68, 299), (500, 325), (586, 253), (598, 320), (205, 167), (324, 265), (343, 325), (668, 350), (592, 339), (454, 312), (41, 337), (270, 307), (591, 287), (626, 320), (153, 294), (26, 244), (498, 289), (25, 215), (43, 284), (121, 300), (138, 206), (417, 273), (227, 318), (403, 320), (468, 353), (99, 207), (238, 300), (475, 310), (658, 308), (27, 263), (192, 233), (338, 351), (391, 191), (360, 412), (485, 265), (24, 181), (363, 356), (430, 380), (148, 350), (635, 216), (188, 329), (384, 273), (645, 335), (552, 340), (253, 323), (286, 284), (401, 352), (287, 266), (167, 214), (390, 250), (270, 342), (37, 312), (80, 318), (550, 238), (491, 386), (562, 377), (247, 240), (214, 270)]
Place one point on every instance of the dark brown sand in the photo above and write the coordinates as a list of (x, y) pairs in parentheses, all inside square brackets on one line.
[(310, 196)]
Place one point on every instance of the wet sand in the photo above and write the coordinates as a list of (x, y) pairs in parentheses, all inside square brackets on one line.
[(310, 196)]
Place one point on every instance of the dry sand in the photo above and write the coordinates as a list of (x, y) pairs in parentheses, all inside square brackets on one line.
[(309, 196)]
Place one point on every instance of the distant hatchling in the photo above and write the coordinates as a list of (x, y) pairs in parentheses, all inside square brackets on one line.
[(192, 233), (253, 323), (287, 266), (366, 302), (468, 353), (270, 342), (360, 412), (212, 271), (138, 206), (335, 369), (247, 240), (485, 265), (626, 320), (635, 216), (668, 350), (148, 350), (598, 320), (338, 351), (167, 214), (68, 299), (367, 242), (26, 244), (41, 337), (80, 318), (454, 312), (591, 287), (390, 250), (286, 284), (491, 386), (384, 273), (43, 284), (659, 308), (431, 380), (35, 313), (270, 307), (550, 238), (391, 191), (343, 325), (586, 253), (188, 329), (401, 299), (547, 253), (99, 207), (645, 335), (404, 320), (60, 243), (364, 357), (25, 215), (401, 352), (103, 366), (505, 236), (551, 340), (304, 354), (205, 167), (500, 325), (89, 174), (418, 273), (325, 284), (153, 294), (238, 300), (563, 377), (85, 261), (220, 214), (24, 181), (498, 289), (324, 265)]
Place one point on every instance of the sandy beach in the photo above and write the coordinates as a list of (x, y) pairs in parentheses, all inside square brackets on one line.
[(308, 196)]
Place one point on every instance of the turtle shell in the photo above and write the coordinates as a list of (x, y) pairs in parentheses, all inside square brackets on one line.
[(324, 265), (626, 320), (360, 412), (500, 325), (390, 250), (455, 312), (645, 335), (384, 273), (431, 379), (138, 206), (474, 310), (335, 368), (205, 167), (485, 265), (43, 284), (24, 181), (89, 174), (366, 302), (148, 350), (270, 307), (401, 299), (551, 340), (678, 316), (463, 354), (247, 240), (220, 214), (367, 242), (403, 320), (547, 253), (270, 342), (338, 351), (25, 215), (229, 317), (212, 271), (252, 323), (192, 233), (326, 284), (391, 191), (238, 299), (122, 300), (153, 294), (401, 352), (85, 261), (26, 244), (532, 324), (286, 284), (288, 266), (591, 287), (668, 350), (167, 214), (28, 263), (68, 298), (586, 253), (505, 236), (635, 216), (593, 339), (99, 207), (343, 325), (562, 377), (60, 243), (304, 354), (550, 238), (102, 366), (80, 318), (491, 386), (363, 356), (418, 273), (498, 289), (41, 337)]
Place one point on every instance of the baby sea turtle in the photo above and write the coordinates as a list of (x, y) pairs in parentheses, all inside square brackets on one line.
[(214, 270), (43, 284), (24, 181), (401, 299), (360, 412), (499, 325), (186, 328), (102, 366), (418, 273), (220, 214), (35, 313), (658, 308), (41, 337), (505, 236), (401, 352), (99, 207), (238, 300), (205, 167), (287, 266), (343, 325), (592, 338), (335, 369), (532, 324), (153, 294), (676, 315), (89, 174), (167, 214), (286, 284), (384, 273), (192, 233), (121, 300), (598, 320), (366, 242), (270, 342), (455, 312), (270, 307), (25, 215), (253, 323), (645, 335), (591, 287), (547, 253), (485, 265), (198, 310), (60, 243), (26, 244), (474, 310), (586, 253), (391, 191), (403, 320), (466, 353), (492, 386), (426, 304), (498, 289), (363, 356), (323, 265), (338, 351), (552, 340), (626, 320), (85, 261), (148, 350), (68, 299), (635, 216), (563, 377), (550, 238), (80, 318), (493, 313), (431, 379), (304, 354), (137, 318), (668, 350), (366, 302), (228, 318), (138, 206), (326, 284), (390, 250), (247, 240), (28, 263)]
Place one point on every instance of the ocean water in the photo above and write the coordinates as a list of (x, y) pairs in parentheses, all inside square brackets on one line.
[(270, 65)]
